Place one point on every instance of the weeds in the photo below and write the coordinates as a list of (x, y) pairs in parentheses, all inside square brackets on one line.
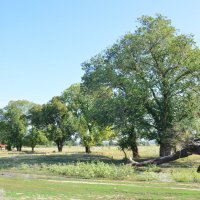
[(184, 175), (90, 170), (100, 165)]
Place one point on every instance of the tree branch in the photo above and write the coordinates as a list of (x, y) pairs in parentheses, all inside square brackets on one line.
[(191, 149)]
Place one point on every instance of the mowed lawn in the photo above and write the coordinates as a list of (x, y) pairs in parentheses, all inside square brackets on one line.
[(17, 188)]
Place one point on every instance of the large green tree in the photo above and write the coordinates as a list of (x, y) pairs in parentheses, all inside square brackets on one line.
[(163, 64)]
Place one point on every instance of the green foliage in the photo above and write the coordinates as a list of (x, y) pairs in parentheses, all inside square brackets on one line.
[(154, 76), (15, 123), (35, 116), (82, 104), (35, 136), (57, 122)]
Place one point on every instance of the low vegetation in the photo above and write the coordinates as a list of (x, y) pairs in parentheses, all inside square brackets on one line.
[(103, 176), (97, 175), (76, 164)]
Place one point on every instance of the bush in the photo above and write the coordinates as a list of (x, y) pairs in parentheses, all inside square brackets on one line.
[(91, 170)]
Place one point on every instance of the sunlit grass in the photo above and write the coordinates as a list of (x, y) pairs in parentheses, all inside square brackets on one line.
[(110, 151), (15, 188), (48, 161), (103, 164)]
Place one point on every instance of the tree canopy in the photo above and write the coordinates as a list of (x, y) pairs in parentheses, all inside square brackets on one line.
[(14, 123), (145, 85), (161, 69), (57, 122), (82, 106)]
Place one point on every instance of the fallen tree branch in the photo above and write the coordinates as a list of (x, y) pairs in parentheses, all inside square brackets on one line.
[(191, 149)]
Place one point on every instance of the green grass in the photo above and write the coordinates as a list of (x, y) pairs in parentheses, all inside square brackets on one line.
[(175, 180), (16, 188)]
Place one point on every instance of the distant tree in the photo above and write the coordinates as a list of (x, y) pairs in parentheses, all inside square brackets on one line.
[(163, 65), (81, 105), (57, 122), (34, 137), (15, 123), (35, 116), (117, 110), (35, 134), (3, 128)]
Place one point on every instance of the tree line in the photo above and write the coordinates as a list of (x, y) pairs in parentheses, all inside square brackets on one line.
[(146, 85), (23, 123)]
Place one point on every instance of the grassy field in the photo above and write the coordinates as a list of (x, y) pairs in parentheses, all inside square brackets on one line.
[(103, 174), (18, 188)]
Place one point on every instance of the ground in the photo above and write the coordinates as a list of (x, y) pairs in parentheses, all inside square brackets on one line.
[(46, 174)]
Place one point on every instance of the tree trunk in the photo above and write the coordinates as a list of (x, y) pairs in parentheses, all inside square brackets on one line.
[(198, 170), (9, 147), (134, 150), (166, 149), (59, 146), (133, 143), (125, 155), (87, 149), (19, 148), (60, 149), (32, 149), (191, 149)]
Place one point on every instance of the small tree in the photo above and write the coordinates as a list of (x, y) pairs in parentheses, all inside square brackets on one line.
[(15, 123), (81, 104), (57, 122), (35, 137)]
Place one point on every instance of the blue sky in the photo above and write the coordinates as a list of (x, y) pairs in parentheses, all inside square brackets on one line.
[(44, 42)]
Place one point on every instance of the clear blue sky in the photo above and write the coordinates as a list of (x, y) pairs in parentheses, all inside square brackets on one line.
[(44, 42)]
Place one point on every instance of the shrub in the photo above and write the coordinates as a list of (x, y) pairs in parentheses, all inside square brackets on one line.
[(91, 170)]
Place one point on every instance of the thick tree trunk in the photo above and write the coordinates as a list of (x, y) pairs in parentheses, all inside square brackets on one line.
[(32, 149), (134, 150), (59, 146), (87, 149), (191, 149), (166, 149), (133, 143)]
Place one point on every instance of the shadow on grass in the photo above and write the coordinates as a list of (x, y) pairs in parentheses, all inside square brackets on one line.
[(31, 159), (11, 160)]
